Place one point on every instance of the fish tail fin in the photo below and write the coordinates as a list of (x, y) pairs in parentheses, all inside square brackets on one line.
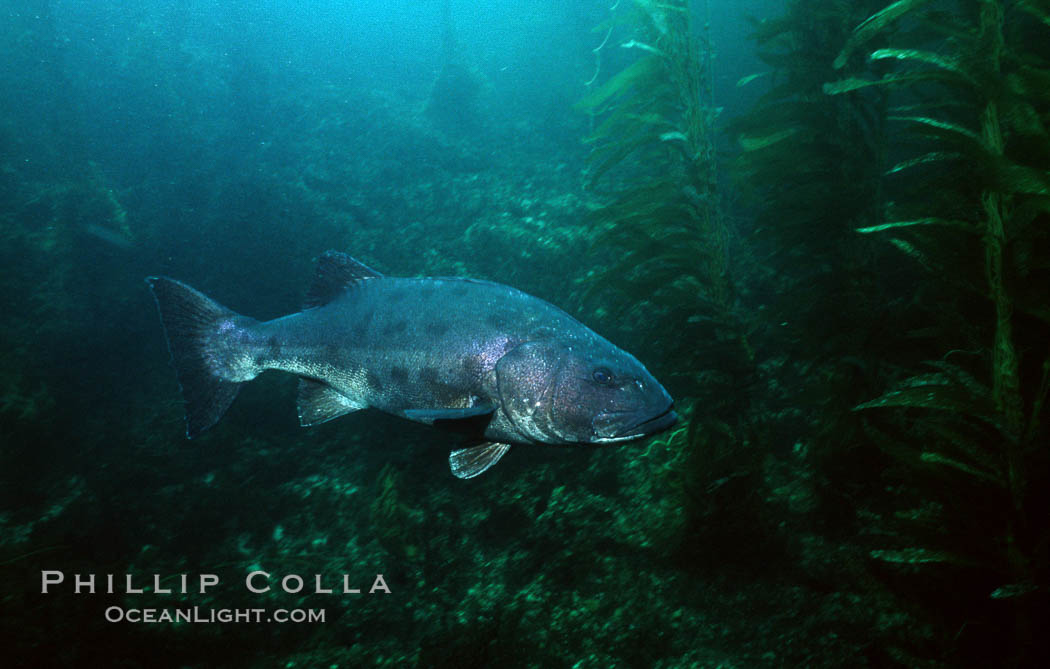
[(198, 330)]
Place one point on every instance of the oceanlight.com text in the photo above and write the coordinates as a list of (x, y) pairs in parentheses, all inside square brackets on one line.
[(198, 614)]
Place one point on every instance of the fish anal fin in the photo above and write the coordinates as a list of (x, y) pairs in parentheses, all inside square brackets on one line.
[(320, 402), (466, 463), (336, 272)]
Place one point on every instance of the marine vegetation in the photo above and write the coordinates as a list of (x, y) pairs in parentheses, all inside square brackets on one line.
[(811, 163), (654, 121), (653, 162), (809, 168), (453, 101), (968, 198), (931, 135)]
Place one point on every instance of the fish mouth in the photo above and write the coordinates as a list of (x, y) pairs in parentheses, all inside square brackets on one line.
[(643, 426)]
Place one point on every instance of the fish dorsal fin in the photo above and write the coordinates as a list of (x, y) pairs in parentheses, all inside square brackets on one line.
[(335, 273), (320, 402), (466, 463)]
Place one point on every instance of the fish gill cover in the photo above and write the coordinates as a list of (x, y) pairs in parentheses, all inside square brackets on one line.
[(821, 225)]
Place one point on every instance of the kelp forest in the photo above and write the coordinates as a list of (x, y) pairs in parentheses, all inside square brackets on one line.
[(837, 263)]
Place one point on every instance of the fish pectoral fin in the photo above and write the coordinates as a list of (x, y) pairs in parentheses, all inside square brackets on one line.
[(320, 402), (433, 415), (466, 463)]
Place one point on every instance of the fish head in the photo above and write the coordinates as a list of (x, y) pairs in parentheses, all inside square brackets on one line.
[(589, 392)]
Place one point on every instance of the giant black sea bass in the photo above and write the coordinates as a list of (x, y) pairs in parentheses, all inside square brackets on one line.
[(484, 359)]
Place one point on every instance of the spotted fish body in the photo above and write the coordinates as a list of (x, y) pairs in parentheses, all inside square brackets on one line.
[(488, 360)]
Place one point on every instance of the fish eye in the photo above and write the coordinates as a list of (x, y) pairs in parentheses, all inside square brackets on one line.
[(603, 376)]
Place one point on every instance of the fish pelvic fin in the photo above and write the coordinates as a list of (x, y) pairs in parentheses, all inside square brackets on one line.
[(201, 338), (466, 463)]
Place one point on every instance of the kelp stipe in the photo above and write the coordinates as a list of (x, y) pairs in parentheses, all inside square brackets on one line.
[(970, 201), (809, 169), (661, 218), (653, 162)]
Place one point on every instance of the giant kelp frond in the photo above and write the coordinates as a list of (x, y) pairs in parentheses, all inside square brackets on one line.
[(1040, 9), (971, 204), (663, 245), (947, 438), (815, 163), (624, 84), (949, 389), (652, 152), (874, 25)]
